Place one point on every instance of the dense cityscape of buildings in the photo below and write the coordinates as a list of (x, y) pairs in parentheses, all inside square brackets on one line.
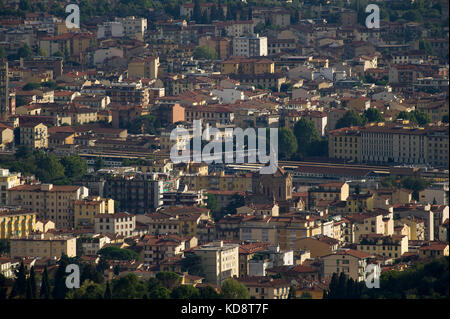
[(86, 116)]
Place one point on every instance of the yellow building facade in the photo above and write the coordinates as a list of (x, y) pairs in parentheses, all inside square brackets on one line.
[(16, 223)]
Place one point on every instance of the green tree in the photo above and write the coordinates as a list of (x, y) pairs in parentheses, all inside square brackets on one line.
[(211, 202), (205, 52), (373, 115), (20, 283), (2, 52), (116, 253), (159, 293), (389, 182), (168, 279), (193, 264), (197, 13), (148, 124), (306, 134), (74, 167), (232, 289), (287, 143), (416, 184), (87, 290), (31, 86), (108, 293), (45, 285), (351, 118), (128, 287), (32, 280), (185, 292), (24, 52), (208, 292), (415, 117), (5, 246), (99, 163)]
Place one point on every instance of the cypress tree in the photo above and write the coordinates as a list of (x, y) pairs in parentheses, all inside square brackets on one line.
[(108, 294), (33, 283), (28, 294), (45, 286), (197, 14), (20, 284)]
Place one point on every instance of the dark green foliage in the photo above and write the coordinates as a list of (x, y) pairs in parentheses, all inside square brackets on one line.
[(287, 143), (373, 115), (415, 117), (108, 293), (74, 167), (308, 140), (185, 292), (205, 52), (20, 283), (232, 289), (208, 292), (192, 264), (351, 118), (116, 253), (148, 124), (31, 86), (46, 167), (128, 287), (159, 293), (389, 182), (429, 280), (416, 184), (5, 246), (45, 286), (168, 279)]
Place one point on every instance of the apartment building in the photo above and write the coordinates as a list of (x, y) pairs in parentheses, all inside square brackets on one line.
[(212, 114), (119, 223), (247, 66), (7, 180), (391, 143), (328, 192), (43, 245), (133, 27), (160, 247), (388, 246), (375, 222), (266, 288), (220, 261), (54, 202), (145, 67), (351, 262), (138, 192), (34, 135), (128, 93), (91, 245), (251, 46), (86, 209), (219, 181), (16, 222), (281, 231)]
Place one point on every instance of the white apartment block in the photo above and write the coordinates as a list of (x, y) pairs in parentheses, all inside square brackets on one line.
[(133, 27), (112, 29), (220, 261), (250, 46), (120, 224)]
